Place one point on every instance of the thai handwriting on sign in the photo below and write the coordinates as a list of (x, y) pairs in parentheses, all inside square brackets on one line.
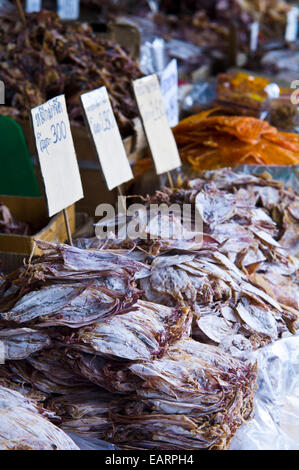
[(104, 123), (106, 137), (56, 154), (48, 113), (155, 110), (58, 132)]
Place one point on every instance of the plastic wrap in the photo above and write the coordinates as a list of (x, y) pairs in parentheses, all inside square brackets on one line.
[(283, 63), (275, 422), (289, 175), (271, 102), (201, 96), (153, 56)]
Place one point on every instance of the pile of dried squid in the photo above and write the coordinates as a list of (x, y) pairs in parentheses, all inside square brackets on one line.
[(145, 343)]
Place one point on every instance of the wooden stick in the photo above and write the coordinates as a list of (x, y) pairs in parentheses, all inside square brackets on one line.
[(120, 193), (31, 255), (21, 12), (170, 179), (67, 225)]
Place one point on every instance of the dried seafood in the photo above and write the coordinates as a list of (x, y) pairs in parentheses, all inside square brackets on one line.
[(62, 58), (66, 363), (209, 142), (8, 224), (144, 343), (24, 426), (138, 335), (195, 397), (241, 282)]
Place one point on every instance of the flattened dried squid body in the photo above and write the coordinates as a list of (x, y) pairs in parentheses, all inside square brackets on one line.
[(70, 305), (257, 318), (136, 335), (20, 343), (23, 426)]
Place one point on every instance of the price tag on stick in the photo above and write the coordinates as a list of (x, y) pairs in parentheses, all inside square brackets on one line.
[(291, 32), (68, 9), (106, 137), (56, 153), (158, 133), (170, 92), (33, 6), (254, 35)]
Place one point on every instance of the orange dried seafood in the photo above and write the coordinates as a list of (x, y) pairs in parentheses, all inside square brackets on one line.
[(209, 142)]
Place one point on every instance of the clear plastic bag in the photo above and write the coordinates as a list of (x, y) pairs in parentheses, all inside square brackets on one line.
[(275, 421)]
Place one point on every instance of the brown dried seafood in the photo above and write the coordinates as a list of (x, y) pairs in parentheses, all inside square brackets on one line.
[(62, 58)]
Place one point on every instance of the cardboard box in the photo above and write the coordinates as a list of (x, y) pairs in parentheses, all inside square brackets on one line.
[(33, 211)]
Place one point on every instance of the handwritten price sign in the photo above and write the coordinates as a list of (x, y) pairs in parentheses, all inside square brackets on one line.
[(56, 154), (155, 122), (170, 92), (106, 137)]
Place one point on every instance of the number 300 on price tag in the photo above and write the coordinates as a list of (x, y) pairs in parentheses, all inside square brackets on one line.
[(56, 154)]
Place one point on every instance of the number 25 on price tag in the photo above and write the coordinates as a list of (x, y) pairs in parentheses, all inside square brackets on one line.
[(106, 137)]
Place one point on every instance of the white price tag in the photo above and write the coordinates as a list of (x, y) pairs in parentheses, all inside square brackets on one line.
[(2, 92), (56, 154), (106, 136), (68, 9), (292, 25), (254, 35), (159, 135), (33, 6), (170, 92)]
